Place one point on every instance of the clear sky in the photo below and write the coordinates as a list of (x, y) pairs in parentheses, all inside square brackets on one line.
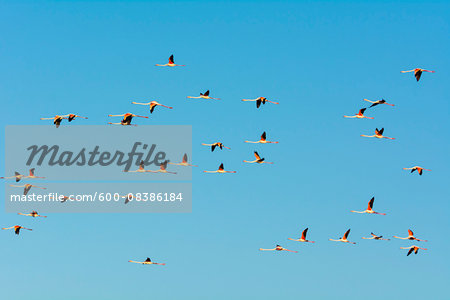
[(319, 60)]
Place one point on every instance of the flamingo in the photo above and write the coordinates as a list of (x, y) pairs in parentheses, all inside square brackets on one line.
[(220, 170), (375, 103), (418, 169), (148, 261), (203, 96), (258, 159), (126, 123), (170, 64), (278, 248), (410, 237), (302, 238), (262, 140), (63, 198), (375, 237), (56, 120), (17, 176), (184, 162), (344, 238), (369, 209), (378, 134), (418, 72), (27, 187), (17, 229), (33, 214), (162, 169), (152, 104), (260, 100), (32, 174), (140, 170), (413, 248), (128, 198), (126, 118), (218, 144), (359, 115), (72, 117)]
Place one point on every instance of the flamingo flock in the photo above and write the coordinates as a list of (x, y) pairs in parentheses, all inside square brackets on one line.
[(128, 117), (19, 176), (59, 118)]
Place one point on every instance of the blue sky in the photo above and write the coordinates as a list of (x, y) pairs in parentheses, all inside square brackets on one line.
[(319, 60)]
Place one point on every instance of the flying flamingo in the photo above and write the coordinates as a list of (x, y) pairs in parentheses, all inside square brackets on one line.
[(220, 170), (140, 170), (378, 134), (162, 169), (413, 248), (27, 187), (17, 229), (148, 261), (203, 96), (278, 248), (126, 123), (33, 214), (418, 169), (260, 100), (410, 237), (369, 209), (375, 237), (152, 104), (344, 238), (17, 176), (170, 64), (258, 159), (184, 162), (375, 103), (72, 117), (63, 198), (128, 198), (262, 140), (32, 174), (302, 238), (418, 72), (218, 144), (359, 115), (126, 118), (56, 120)]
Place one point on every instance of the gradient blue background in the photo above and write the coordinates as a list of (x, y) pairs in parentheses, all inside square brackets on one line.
[(319, 60)]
